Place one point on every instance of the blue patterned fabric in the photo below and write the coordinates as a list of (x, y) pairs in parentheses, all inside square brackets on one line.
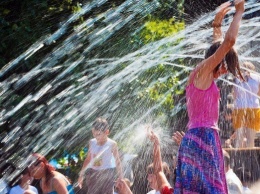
[(200, 165)]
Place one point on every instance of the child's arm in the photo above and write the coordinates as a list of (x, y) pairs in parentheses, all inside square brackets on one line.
[(216, 24), (83, 169), (118, 161), (157, 162), (204, 72), (231, 138)]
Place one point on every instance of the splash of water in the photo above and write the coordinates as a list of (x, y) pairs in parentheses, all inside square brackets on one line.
[(100, 87)]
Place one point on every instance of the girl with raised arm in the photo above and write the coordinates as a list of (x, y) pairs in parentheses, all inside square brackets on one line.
[(200, 165)]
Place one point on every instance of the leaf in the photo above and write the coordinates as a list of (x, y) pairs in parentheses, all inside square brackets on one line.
[(6, 11)]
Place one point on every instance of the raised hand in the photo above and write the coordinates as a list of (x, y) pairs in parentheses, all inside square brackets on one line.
[(177, 137), (152, 136), (216, 24), (221, 12), (239, 5)]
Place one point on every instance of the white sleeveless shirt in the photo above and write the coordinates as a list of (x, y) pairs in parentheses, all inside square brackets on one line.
[(101, 156), (246, 93)]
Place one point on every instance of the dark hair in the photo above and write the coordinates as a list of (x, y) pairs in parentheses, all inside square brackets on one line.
[(100, 124), (23, 172), (18, 178), (231, 59), (244, 174), (165, 166)]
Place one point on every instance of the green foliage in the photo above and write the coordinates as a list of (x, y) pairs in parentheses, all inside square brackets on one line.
[(65, 5), (161, 91), (62, 162), (69, 167), (157, 29), (159, 84), (169, 8), (24, 22), (82, 155)]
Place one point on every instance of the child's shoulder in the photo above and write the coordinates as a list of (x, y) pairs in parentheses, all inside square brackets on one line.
[(92, 140), (111, 141)]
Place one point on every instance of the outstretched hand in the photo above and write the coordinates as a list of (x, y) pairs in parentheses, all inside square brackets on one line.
[(221, 12), (177, 137), (152, 136)]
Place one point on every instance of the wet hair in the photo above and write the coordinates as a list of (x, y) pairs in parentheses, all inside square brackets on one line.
[(244, 174), (231, 60), (49, 168), (100, 124), (25, 171), (165, 166)]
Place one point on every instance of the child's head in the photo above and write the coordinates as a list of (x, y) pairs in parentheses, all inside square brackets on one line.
[(100, 129), (244, 175), (100, 124), (25, 177), (229, 64), (120, 190), (152, 177), (247, 67)]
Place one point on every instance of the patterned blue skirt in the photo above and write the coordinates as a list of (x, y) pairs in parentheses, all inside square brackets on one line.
[(200, 165)]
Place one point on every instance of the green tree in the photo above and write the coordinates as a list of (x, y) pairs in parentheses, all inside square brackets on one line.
[(24, 22)]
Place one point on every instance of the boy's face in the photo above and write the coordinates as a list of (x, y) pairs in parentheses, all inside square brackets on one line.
[(100, 135)]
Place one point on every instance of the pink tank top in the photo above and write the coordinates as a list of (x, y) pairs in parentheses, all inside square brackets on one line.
[(202, 106)]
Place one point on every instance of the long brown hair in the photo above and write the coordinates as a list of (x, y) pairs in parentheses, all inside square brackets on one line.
[(231, 60)]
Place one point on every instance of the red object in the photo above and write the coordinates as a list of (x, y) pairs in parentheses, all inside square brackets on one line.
[(167, 190)]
